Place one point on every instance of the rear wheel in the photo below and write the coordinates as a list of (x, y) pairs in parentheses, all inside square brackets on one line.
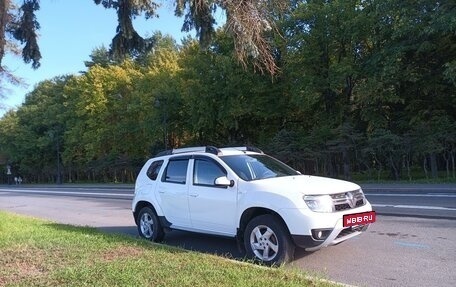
[(266, 239), (149, 226)]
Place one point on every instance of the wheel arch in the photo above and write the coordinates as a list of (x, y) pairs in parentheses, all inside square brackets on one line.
[(140, 205), (253, 212)]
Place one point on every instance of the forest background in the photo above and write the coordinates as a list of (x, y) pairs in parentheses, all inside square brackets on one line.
[(365, 90)]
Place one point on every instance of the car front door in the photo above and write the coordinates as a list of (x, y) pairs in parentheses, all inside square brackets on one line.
[(212, 208)]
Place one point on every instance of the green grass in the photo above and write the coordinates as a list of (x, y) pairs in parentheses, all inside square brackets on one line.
[(41, 253)]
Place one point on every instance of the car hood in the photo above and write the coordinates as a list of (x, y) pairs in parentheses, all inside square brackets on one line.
[(305, 184)]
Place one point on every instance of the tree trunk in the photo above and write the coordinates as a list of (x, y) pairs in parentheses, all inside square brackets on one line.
[(330, 166), (369, 171), (3, 16), (452, 163), (379, 170), (434, 170), (346, 163), (447, 164), (425, 167), (407, 162), (395, 171)]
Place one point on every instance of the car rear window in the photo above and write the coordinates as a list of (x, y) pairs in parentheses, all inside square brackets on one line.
[(154, 169), (176, 171)]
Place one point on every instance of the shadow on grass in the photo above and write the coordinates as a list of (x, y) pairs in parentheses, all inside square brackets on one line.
[(209, 244), (203, 243), (221, 246)]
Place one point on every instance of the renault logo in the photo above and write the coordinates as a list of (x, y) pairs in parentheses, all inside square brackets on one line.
[(350, 199)]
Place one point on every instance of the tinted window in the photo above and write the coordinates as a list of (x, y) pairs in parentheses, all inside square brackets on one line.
[(154, 169), (206, 171), (254, 167), (176, 171)]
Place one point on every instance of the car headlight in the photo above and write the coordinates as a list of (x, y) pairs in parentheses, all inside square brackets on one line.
[(319, 203)]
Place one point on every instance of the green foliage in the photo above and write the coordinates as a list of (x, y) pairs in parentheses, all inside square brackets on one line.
[(25, 31), (198, 16), (366, 87), (100, 56), (225, 103), (127, 41)]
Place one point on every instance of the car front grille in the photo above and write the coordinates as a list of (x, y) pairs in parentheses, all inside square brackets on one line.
[(348, 200)]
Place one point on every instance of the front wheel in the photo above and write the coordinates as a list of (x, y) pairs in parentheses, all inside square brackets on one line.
[(148, 225), (267, 240)]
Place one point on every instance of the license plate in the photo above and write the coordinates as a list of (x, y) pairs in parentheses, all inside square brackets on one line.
[(359, 218)]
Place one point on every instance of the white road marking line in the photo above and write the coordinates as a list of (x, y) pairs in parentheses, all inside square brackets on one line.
[(415, 207), (65, 192), (412, 195), (409, 188)]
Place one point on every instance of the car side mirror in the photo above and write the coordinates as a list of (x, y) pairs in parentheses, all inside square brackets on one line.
[(224, 181)]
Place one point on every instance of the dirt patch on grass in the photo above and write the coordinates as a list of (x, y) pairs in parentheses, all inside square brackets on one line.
[(121, 252), (17, 266)]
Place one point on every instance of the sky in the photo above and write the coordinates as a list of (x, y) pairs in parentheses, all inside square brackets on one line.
[(70, 30)]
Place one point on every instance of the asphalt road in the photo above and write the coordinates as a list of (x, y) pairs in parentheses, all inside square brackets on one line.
[(416, 248), (418, 200)]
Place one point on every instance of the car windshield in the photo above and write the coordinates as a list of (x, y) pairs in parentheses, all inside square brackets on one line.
[(255, 167)]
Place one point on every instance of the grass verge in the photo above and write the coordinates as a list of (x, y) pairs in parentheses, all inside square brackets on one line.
[(35, 252)]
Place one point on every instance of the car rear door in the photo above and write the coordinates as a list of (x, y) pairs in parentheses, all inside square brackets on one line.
[(173, 192)]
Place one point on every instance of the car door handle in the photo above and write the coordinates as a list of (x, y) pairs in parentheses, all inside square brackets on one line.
[(194, 194)]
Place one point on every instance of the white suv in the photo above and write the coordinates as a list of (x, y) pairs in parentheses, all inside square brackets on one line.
[(241, 192)]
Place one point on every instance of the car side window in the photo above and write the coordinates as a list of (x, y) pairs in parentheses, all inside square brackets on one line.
[(176, 171), (205, 172), (154, 169)]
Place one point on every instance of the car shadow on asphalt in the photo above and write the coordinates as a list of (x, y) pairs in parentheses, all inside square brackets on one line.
[(301, 253)]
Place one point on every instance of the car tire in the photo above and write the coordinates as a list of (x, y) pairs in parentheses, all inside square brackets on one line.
[(149, 226), (267, 241)]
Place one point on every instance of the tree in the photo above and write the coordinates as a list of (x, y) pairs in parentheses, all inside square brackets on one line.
[(99, 56), (8, 18), (127, 41), (101, 135), (37, 138), (247, 20), (5, 17), (226, 104), (364, 86), (22, 27)]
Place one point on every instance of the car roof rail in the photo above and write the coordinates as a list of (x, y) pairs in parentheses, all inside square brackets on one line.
[(208, 149), (248, 148)]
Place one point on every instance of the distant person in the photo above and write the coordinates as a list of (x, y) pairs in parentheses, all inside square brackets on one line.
[(15, 179), (19, 180)]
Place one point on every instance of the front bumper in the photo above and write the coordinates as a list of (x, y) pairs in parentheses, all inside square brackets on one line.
[(301, 223), (309, 243)]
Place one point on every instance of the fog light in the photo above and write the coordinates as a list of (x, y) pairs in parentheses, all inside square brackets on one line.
[(321, 234)]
